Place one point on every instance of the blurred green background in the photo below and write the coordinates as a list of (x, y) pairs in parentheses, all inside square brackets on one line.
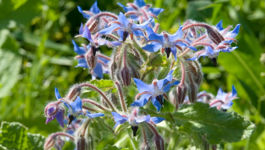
[(36, 55)]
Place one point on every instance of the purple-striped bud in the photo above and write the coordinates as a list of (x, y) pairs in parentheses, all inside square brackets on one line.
[(177, 95), (159, 142), (125, 76), (81, 143), (91, 59), (214, 35)]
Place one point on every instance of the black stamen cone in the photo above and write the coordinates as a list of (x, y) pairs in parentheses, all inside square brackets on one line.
[(168, 50), (224, 110), (94, 50), (125, 35), (70, 119), (160, 99), (214, 60), (134, 128)]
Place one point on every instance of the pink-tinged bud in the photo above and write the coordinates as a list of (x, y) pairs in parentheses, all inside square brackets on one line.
[(214, 35), (91, 59), (49, 142), (125, 76), (177, 95), (81, 143), (192, 90), (159, 142), (74, 92)]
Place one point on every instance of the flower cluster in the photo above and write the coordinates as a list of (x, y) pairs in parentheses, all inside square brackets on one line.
[(135, 40)]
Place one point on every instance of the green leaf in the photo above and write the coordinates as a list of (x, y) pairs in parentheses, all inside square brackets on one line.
[(10, 64), (14, 136), (214, 125)]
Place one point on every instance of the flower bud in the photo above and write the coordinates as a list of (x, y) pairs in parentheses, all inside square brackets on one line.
[(49, 142), (81, 143), (74, 92), (125, 76), (214, 35), (91, 59), (159, 142), (177, 95)]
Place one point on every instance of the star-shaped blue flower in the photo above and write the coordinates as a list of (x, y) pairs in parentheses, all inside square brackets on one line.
[(154, 91), (134, 119), (124, 28), (93, 10), (167, 42)]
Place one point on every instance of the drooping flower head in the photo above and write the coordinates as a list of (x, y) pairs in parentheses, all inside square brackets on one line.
[(215, 40), (140, 11), (154, 92), (166, 42)]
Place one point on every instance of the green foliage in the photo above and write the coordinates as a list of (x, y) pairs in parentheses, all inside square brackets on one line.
[(15, 136), (210, 124)]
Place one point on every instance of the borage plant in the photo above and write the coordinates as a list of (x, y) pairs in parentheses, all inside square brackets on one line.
[(113, 110)]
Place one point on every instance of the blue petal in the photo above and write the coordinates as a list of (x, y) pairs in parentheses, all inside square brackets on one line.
[(60, 117), (76, 105), (153, 47), (98, 71), (156, 37), (142, 101), (168, 86), (57, 94), (234, 92), (94, 8), (177, 35), (156, 104), (94, 115), (86, 34), (109, 30), (81, 11), (162, 82), (123, 20), (157, 120), (174, 52), (118, 119), (139, 3), (81, 29), (82, 63), (220, 92), (77, 49), (141, 86), (156, 11), (236, 29), (219, 26), (143, 119)]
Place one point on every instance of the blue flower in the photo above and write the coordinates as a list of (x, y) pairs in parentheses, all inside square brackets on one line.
[(224, 100), (134, 118), (93, 10), (214, 45), (154, 91), (124, 28), (140, 11), (166, 42), (102, 61)]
